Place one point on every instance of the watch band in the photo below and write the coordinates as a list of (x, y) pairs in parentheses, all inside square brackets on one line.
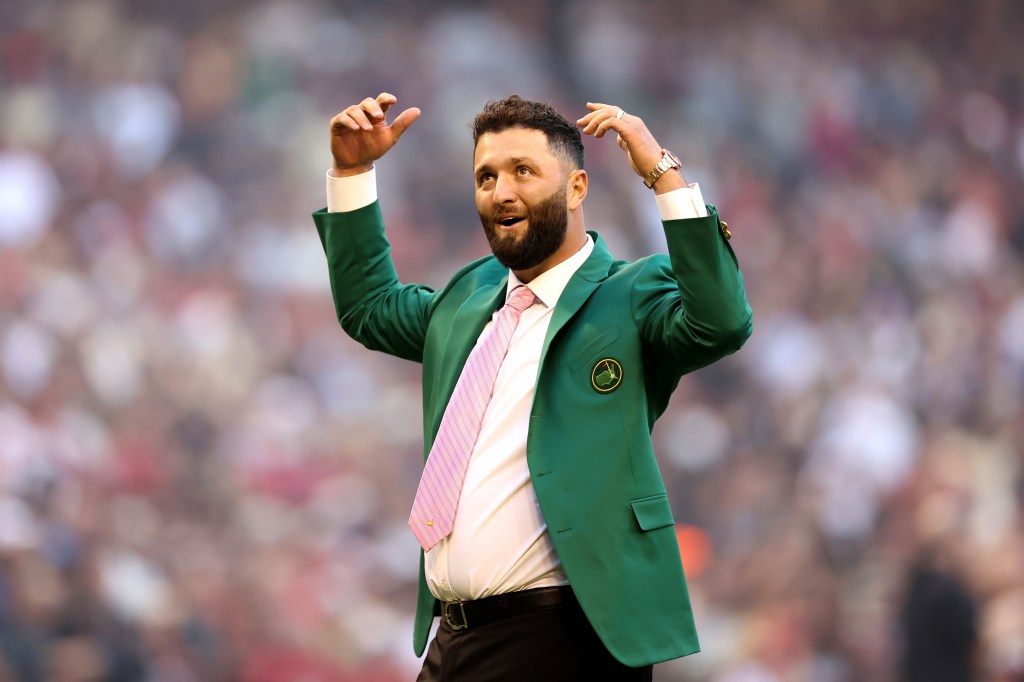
[(667, 163)]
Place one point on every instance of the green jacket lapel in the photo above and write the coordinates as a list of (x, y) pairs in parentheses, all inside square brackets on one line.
[(579, 288)]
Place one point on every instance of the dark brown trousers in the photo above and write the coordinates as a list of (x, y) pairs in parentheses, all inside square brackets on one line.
[(556, 644)]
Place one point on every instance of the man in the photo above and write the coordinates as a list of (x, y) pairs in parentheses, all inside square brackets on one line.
[(549, 544), (939, 617)]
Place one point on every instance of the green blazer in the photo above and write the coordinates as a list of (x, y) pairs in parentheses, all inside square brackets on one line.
[(621, 336)]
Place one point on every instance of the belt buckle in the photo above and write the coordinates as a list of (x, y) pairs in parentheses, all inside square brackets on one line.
[(447, 611)]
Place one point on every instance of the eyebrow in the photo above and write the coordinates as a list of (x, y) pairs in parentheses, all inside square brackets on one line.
[(510, 161)]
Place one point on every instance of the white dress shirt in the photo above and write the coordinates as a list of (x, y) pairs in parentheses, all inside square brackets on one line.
[(500, 541)]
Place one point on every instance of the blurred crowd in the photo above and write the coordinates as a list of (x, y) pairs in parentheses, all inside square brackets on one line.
[(203, 479)]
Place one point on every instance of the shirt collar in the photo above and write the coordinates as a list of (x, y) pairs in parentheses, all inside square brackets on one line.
[(549, 285)]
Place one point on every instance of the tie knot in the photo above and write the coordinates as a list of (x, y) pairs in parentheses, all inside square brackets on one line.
[(521, 298)]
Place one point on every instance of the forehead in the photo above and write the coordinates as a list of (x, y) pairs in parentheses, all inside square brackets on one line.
[(512, 143)]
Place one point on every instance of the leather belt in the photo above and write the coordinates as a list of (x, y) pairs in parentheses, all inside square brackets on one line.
[(460, 615)]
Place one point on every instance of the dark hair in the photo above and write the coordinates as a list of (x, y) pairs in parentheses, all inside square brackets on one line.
[(516, 112)]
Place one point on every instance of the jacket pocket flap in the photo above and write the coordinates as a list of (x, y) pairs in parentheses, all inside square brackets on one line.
[(653, 512), (594, 347)]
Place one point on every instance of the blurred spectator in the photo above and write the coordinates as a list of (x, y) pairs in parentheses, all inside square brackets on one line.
[(939, 624)]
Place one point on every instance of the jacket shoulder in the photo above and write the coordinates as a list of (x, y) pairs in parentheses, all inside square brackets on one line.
[(658, 263), (481, 272)]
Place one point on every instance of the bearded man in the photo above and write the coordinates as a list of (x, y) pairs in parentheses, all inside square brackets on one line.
[(549, 550)]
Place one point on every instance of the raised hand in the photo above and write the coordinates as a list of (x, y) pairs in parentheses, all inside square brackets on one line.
[(642, 150), (361, 134)]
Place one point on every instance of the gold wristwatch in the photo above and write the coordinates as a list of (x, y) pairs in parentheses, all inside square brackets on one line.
[(667, 163)]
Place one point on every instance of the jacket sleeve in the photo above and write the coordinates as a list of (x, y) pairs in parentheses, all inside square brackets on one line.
[(692, 310), (374, 308)]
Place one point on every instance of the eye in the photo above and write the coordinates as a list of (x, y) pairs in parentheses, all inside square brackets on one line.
[(484, 178), (523, 171)]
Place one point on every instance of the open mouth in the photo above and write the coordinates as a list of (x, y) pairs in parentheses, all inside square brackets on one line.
[(509, 220)]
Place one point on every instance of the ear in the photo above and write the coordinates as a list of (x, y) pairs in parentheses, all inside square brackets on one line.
[(576, 188)]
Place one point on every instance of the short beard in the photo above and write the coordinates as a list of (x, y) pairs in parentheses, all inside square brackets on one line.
[(547, 223)]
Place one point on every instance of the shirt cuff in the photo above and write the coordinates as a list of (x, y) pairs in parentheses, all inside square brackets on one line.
[(351, 192), (685, 202)]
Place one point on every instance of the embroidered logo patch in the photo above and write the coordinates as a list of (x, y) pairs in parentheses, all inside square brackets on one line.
[(606, 375)]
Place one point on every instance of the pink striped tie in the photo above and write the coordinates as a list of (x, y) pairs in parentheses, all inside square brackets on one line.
[(437, 497)]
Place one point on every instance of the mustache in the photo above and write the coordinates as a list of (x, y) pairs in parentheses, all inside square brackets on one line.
[(500, 213)]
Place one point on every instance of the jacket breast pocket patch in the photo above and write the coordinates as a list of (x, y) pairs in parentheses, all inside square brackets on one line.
[(653, 512), (606, 375)]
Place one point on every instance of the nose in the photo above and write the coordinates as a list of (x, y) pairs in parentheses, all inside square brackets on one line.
[(504, 190)]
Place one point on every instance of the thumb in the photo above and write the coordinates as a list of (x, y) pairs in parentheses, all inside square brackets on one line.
[(403, 121)]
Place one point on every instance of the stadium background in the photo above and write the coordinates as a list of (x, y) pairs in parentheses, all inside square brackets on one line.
[(202, 478)]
